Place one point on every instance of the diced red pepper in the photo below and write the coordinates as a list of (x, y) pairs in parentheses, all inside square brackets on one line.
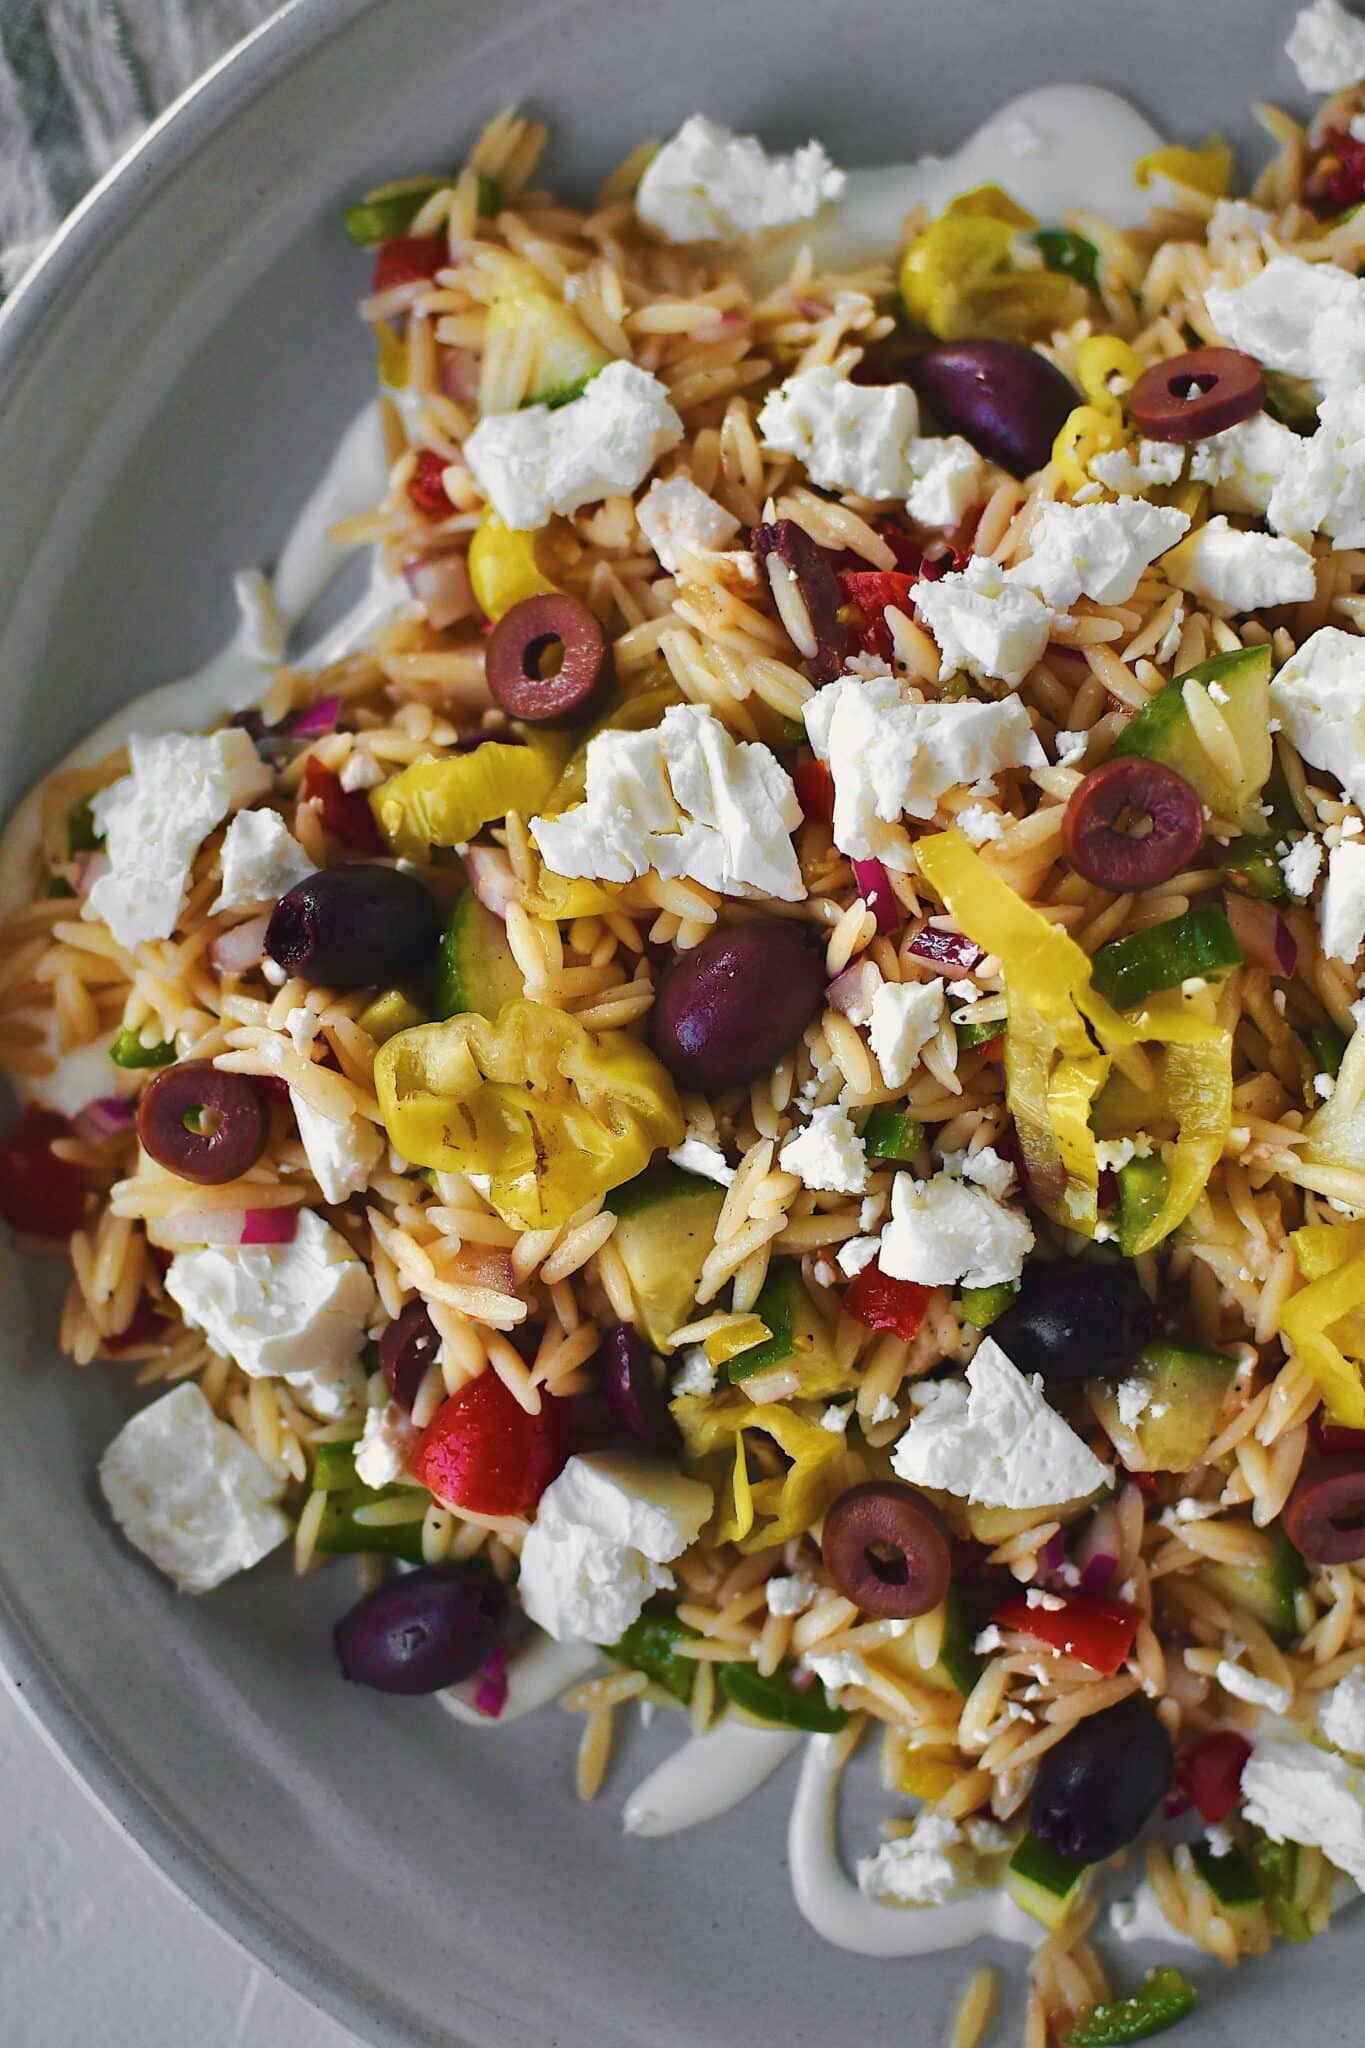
[(408, 259), (867, 593), (1098, 1632), (40, 1195), (1145, 1482), (147, 1322), (345, 813), (814, 791), (482, 1451), (874, 1298), (1210, 1774), (1337, 180), (426, 488)]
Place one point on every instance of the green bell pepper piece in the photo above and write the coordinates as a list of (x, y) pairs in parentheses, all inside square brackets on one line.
[(1070, 254), (981, 1305), (386, 214), (650, 1645), (339, 1533), (1276, 1865), (1142, 1196), (1165, 1998), (1252, 867), (969, 1033), (128, 1050), (1127, 971), (777, 1700), (888, 1134), (82, 835), (1329, 1048)]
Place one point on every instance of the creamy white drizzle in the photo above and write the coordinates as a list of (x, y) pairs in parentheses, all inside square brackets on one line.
[(706, 1777), (536, 1674)]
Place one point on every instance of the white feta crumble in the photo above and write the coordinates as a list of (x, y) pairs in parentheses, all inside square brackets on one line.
[(1319, 699), (605, 1532), (828, 1154), (547, 459), (342, 1152), (1300, 1793), (884, 1410), (387, 1442), (988, 1170), (261, 861), (905, 1017), (1133, 1396), (1097, 551), (1343, 902), (990, 626), (980, 823), (708, 184), (927, 1867), (1257, 1692), (700, 1156), (676, 515), (155, 819), (791, 1593), (1245, 464), (686, 799), (81, 1076), (1219, 1840), (836, 1669), (949, 478), (190, 1493), (1234, 220), (1233, 571), (1141, 467), (891, 754), (943, 1231), (1071, 748), (855, 1254), (297, 1311), (996, 1441), (1302, 865), (989, 1639), (847, 437), (835, 1418), (1321, 488), (1304, 319), (1327, 47), (696, 1374), (360, 770), (303, 1026), (1341, 1713)]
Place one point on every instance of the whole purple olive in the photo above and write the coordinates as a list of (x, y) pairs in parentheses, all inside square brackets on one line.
[(1097, 1790), (1005, 398), (736, 1004), (354, 926), (421, 1631), (635, 1396)]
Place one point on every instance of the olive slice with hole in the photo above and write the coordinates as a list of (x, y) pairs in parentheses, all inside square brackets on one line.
[(1098, 826), (548, 662), (886, 1549), (1202, 392), (203, 1124), (1324, 1517)]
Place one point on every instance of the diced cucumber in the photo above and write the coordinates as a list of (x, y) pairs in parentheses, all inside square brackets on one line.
[(1142, 1196), (1229, 1877), (1265, 1590), (391, 1011), (1128, 970), (474, 966), (650, 1645), (1164, 731), (1187, 1392), (1164, 1999), (800, 1342), (1043, 1883), (1253, 868), (563, 353), (666, 1226), (958, 1665), (889, 1134), (777, 1702), (339, 1534), (388, 211), (981, 1305)]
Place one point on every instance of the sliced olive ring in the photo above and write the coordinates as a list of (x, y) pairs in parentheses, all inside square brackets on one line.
[(1196, 394), (1094, 835), (548, 662), (886, 1549), (202, 1124), (1324, 1517)]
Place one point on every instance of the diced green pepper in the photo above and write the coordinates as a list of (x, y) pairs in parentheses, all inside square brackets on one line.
[(888, 1134), (973, 1033), (1276, 1865), (1166, 1997), (128, 1050), (1230, 1876), (388, 213), (59, 886), (1127, 971), (339, 1534), (1069, 253), (82, 834), (798, 1340), (1252, 867), (981, 1305), (1142, 1197), (1329, 1048), (650, 1645), (777, 1700), (489, 195)]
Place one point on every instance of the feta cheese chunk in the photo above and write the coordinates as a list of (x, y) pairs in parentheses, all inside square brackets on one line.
[(1231, 571), (828, 1154), (677, 515), (387, 1442), (945, 1230), (547, 459), (985, 623), (297, 1312), (791, 1593), (604, 1534), (855, 1254), (700, 1156), (1245, 464), (1299, 1793), (1343, 902), (342, 1154), (1321, 488), (931, 1865), (1144, 466), (1302, 865), (995, 1441), (949, 478), (710, 185), (905, 1017), (865, 439), (1257, 1692), (686, 799), (1341, 1712), (1097, 551), (696, 1374), (1327, 47), (190, 1493), (261, 860), (155, 819), (1319, 699), (892, 754), (1305, 319)]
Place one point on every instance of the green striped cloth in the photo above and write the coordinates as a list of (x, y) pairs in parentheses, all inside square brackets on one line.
[(79, 80)]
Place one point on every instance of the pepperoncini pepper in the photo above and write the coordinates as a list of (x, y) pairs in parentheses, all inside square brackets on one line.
[(960, 276), (504, 566), (553, 1113), (447, 802), (757, 1512), (1097, 426), (1207, 169), (1331, 1258)]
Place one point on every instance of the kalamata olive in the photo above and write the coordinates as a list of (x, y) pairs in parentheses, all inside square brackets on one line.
[(1196, 394), (203, 1124), (406, 1349), (1075, 1321), (635, 1396), (807, 594), (886, 1549), (1324, 1517), (548, 661), (354, 926), (1122, 792), (736, 1004), (1097, 1790), (423, 1631), (1006, 399)]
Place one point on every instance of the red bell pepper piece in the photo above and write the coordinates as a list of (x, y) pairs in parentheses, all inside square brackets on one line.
[(814, 791), (345, 813), (425, 487), (482, 1451), (408, 259), (907, 550), (1210, 1774), (40, 1195), (1098, 1632), (874, 1298), (868, 592)]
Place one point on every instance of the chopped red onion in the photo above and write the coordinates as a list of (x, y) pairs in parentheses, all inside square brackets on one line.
[(946, 950), (239, 950), (269, 1226), (441, 585), (1097, 1574), (1099, 1549), (851, 992), (1262, 934), (874, 886), (492, 879), (105, 1118), (490, 1685), (1052, 1556), (318, 719), (87, 869)]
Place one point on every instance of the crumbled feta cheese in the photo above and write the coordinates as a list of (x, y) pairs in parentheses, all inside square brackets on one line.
[(828, 1154), (1234, 220), (547, 459), (984, 623), (848, 437), (989, 1639), (835, 1418), (708, 184), (1133, 1396), (387, 1442), (604, 1534), (190, 1493), (1341, 1713), (1257, 1692), (1245, 464), (1097, 551), (1071, 748), (792, 1593), (696, 1375), (1143, 466), (1343, 902), (905, 1016), (296, 1311), (303, 1026), (980, 823), (1327, 47), (1321, 488), (1319, 698), (927, 1867), (700, 1156), (988, 1170), (360, 770), (836, 1669), (261, 860), (855, 1254), (1233, 571), (1302, 865), (996, 1441), (675, 516), (1304, 319), (1037, 1596), (686, 799), (155, 819), (342, 1154), (79, 1077), (950, 477), (884, 1410), (943, 1230), (1299, 1793), (891, 754)]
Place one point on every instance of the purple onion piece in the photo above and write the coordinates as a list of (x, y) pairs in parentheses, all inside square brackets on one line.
[(318, 719), (945, 949)]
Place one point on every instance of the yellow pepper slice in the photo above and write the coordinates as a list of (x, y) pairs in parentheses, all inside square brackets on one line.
[(959, 278), (448, 802), (1103, 361), (1085, 432), (562, 898), (1196, 1089), (759, 1512), (554, 1113), (393, 358), (1332, 1299), (723, 1345), (1207, 169), (1097, 426), (504, 566)]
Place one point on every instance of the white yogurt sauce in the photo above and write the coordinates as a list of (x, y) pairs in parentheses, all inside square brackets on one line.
[(536, 1673), (706, 1777)]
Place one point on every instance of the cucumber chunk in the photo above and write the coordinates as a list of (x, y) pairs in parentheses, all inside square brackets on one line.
[(666, 1226), (339, 1534), (800, 1342), (474, 966), (1229, 1877), (1164, 731), (1142, 1197), (1187, 1392), (1264, 1590), (981, 1305), (563, 353), (1043, 1883)]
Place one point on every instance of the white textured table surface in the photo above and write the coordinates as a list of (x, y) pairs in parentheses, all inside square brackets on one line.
[(96, 1949)]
